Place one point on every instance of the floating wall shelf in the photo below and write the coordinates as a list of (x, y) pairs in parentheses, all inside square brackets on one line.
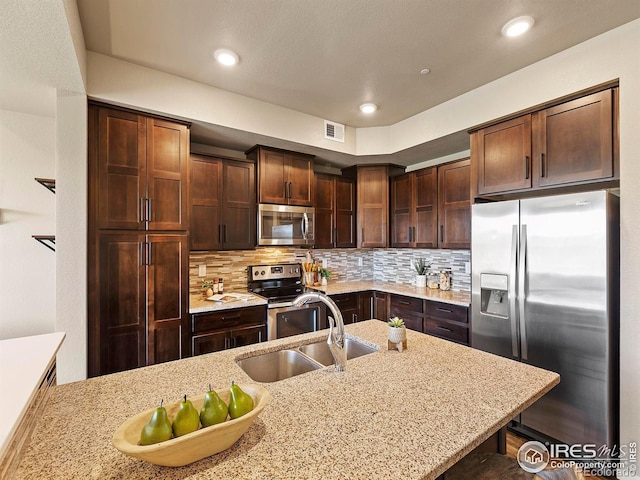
[(48, 183), (48, 241)]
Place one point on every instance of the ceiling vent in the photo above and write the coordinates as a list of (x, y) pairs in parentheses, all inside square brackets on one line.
[(333, 131)]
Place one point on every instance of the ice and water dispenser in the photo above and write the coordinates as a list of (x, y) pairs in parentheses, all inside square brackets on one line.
[(494, 295)]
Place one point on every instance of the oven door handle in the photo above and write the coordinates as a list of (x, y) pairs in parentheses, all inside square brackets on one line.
[(305, 225)]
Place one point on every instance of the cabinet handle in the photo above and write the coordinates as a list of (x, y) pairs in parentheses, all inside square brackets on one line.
[(371, 311), (259, 336), (149, 253), (443, 310), (542, 169), (443, 328), (290, 190), (232, 317), (442, 233), (141, 210), (224, 233), (362, 236), (148, 209), (526, 166), (404, 302), (141, 253), (354, 318), (220, 233), (409, 234)]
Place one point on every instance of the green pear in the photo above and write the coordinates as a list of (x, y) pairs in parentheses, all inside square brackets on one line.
[(240, 403), (186, 420), (157, 429), (214, 410)]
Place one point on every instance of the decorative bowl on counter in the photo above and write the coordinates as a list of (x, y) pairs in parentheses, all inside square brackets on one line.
[(194, 446)]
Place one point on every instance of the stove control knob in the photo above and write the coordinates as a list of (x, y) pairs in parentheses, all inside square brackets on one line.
[(262, 272)]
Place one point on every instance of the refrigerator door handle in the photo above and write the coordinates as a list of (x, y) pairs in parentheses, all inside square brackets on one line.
[(522, 273), (512, 290)]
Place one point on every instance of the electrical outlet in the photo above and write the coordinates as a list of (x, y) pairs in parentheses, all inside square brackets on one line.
[(360, 261), (325, 263), (202, 270)]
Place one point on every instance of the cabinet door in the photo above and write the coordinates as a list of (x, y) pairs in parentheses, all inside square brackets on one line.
[(345, 212), (248, 336), (426, 208), (365, 305), (167, 324), (454, 205), (300, 179), (503, 156), (238, 205), (121, 288), (381, 306), (206, 200), (210, 342), (272, 177), (373, 207), (324, 210), (121, 167), (167, 159), (575, 140), (403, 207)]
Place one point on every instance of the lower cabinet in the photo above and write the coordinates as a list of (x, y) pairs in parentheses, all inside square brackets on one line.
[(215, 331), (439, 319), (348, 305), (447, 321)]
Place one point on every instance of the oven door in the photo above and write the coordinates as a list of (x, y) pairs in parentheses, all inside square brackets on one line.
[(287, 321)]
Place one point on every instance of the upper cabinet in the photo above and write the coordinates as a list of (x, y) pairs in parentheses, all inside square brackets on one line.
[(569, 143), (454, 205), (284, 177), (431, 207), (335, 212), (223, 204), (372, 186), (142, 172), (414, 205)]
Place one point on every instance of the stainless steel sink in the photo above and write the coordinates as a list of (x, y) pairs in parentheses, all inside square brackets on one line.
[(320, 351), (274, 366)]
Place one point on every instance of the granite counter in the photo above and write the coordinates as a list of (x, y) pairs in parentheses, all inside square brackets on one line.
[(408, 415)]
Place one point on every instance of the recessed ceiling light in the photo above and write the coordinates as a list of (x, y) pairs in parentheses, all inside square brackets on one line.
[(425, 71), (368, 108), (517, 26), (226, 57)]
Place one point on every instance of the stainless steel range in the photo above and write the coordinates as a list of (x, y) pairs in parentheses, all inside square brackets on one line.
[(280, 284)]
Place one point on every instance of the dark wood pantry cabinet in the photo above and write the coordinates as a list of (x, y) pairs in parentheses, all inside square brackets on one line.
[(223, 204), (284, 177), (137, 240), (569, 142), (335, 211), (454, 205)]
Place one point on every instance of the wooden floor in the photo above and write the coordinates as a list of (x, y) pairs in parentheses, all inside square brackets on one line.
[(514, 442)]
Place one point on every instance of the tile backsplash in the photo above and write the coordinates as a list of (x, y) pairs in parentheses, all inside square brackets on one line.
[(380, 264)]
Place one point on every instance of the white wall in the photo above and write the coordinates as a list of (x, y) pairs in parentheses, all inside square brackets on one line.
[(27, 269), (71, 244)]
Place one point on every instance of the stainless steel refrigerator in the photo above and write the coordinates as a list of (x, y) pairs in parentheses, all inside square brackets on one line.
[(545, 291)]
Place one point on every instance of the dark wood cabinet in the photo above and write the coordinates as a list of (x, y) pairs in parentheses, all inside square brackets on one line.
[(137, 240), (223, 204), (335, 215), (414, 204), (215, 331), (284, 177), (373, 304), (454, 205), (142, 171), (372, 187), (569, 142), (348, 305), (573, 142), (410, 309), (447, 321), (503, 156), (141, 299)]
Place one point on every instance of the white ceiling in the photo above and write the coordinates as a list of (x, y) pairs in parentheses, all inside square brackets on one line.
[(326, 57)]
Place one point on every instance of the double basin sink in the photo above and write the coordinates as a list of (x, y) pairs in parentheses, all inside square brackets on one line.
[(282, 364)]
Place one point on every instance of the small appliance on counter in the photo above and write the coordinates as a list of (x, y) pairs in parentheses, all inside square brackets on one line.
[(280, 285)]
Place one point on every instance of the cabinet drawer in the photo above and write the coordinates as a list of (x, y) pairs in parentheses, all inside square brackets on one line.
[(447, 311), (346, 301), (447, 330), (238, 317), (406, 303)]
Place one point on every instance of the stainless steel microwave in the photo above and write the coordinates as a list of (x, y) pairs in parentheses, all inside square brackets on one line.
[(285, 225)]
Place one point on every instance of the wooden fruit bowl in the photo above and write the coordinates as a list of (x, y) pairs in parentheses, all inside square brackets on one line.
[(194, 446)]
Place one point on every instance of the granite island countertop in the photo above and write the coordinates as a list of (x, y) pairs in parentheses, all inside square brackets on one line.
[(408, 415)]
